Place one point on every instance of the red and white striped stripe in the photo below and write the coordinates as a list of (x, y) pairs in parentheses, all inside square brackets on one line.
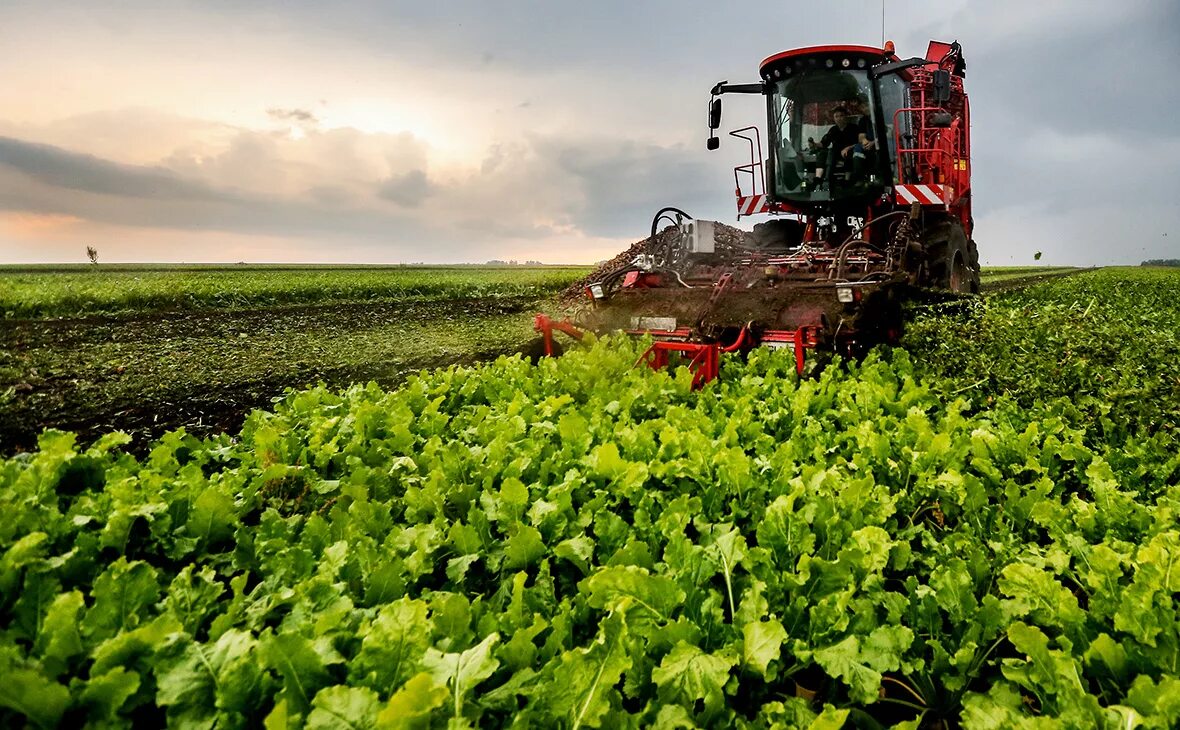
[(924, 194), (751, 204)]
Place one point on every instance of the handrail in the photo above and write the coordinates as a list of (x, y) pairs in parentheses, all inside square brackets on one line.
[(755, 168), (916, 154)]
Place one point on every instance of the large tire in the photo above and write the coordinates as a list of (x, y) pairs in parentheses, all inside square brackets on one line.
[(973, 262), (952, 261), (778, 234)]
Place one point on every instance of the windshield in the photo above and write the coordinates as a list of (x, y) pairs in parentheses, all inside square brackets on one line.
[(894, 95), (823, 136)]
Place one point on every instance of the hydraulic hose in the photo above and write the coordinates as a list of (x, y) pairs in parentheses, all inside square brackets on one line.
[(854, 238), (861, 230), (842, 253), (665, 255), (661, 213)]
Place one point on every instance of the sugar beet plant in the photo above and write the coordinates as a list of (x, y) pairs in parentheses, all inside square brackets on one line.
[(1106, 343), (582, 544)]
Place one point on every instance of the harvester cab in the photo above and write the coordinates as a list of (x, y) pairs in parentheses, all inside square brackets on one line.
[(866, 181)]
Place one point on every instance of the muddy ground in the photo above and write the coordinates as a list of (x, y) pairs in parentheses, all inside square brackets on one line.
[(150, 373)]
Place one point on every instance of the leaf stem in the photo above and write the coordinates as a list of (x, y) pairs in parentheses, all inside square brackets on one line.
[(904, 703), (593, 687), (728, 588), (983, 657), (458, 659), (969, 387), (907, 688)]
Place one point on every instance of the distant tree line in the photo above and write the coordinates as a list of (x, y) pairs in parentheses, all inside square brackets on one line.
[(1161, 262)]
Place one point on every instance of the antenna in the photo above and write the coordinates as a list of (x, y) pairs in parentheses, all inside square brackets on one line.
[(882, 23)]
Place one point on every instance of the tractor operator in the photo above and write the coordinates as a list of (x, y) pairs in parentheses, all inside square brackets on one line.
[(845, 139)]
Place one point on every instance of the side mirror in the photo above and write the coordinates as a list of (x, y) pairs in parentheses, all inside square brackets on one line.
[(714, 114), (942, 86), (712, 143)]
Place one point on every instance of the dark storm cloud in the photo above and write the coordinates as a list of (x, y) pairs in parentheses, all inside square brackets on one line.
[(408, 189), (515, 33), (598, 187), (1116, 72), (292, 115), (60, 168), (1116, 77), (46, 179), (1074, 104), (542, 187), (1075, 143), (620, 185), (1080, 120), (522, 34)]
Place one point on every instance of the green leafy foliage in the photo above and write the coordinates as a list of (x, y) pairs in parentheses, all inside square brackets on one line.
[(584, 544), (64, 292)]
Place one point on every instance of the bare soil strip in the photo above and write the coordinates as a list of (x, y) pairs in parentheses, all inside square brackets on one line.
[(150, 373)]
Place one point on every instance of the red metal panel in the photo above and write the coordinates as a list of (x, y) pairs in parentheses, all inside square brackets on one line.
[(937, 50), (818, 50), (752, 204), (922, 194)]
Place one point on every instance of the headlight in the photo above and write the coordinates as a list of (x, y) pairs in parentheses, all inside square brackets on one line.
[(844, 294)]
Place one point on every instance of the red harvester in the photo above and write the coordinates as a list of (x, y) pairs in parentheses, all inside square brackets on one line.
[(867, 181)]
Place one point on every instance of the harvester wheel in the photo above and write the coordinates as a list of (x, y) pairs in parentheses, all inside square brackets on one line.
[(776, 234), (952, 261), (973, 262), (535, 350)]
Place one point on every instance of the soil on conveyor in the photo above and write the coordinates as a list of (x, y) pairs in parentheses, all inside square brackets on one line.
[(728, 237), (724, 237)]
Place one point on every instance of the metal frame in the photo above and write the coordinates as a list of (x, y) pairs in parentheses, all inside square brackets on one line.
[(704, 358), (925, 158), (546, 326), (755, 169)]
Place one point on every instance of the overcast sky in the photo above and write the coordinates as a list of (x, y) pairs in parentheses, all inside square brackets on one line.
[(466, 130)]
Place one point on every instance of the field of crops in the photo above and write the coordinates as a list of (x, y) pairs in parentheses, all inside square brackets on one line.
[(981, 528), (990, 271), (1007, 273), (199, 347), (53, 292)]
